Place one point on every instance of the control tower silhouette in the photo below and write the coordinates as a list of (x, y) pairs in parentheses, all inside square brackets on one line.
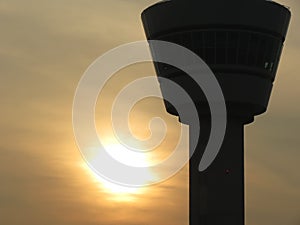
[(241, 41)]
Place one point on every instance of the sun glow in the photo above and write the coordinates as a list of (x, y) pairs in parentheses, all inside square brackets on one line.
[(116, 191)]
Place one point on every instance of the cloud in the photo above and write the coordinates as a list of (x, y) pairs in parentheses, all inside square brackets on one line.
[(45, 48)]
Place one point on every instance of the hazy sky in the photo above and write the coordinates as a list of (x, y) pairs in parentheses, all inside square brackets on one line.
[(45, 48)]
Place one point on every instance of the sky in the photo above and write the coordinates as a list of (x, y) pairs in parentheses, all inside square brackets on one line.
[(45, 48)]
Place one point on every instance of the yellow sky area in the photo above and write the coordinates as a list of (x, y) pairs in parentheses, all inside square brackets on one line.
[(144, 131), (45, 48)]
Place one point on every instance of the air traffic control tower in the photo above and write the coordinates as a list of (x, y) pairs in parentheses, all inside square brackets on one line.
[(241, 41)]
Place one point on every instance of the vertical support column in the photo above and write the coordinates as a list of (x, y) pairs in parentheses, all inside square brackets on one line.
[(217, 194)]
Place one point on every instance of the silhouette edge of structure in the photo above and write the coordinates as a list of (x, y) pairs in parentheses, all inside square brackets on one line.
[(241, 41)]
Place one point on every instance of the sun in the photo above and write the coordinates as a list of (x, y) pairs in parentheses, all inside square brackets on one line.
[(114, 192), (124, 155)]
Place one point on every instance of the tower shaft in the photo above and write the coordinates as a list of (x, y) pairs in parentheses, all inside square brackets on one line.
[(217, 194)]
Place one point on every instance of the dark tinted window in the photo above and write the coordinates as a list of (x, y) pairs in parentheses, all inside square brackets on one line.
[(219, 47)]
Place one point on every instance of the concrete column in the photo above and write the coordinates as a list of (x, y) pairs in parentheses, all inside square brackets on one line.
[(217, 194)]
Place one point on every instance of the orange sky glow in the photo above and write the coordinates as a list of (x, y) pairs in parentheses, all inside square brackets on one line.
[(45, 48)]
